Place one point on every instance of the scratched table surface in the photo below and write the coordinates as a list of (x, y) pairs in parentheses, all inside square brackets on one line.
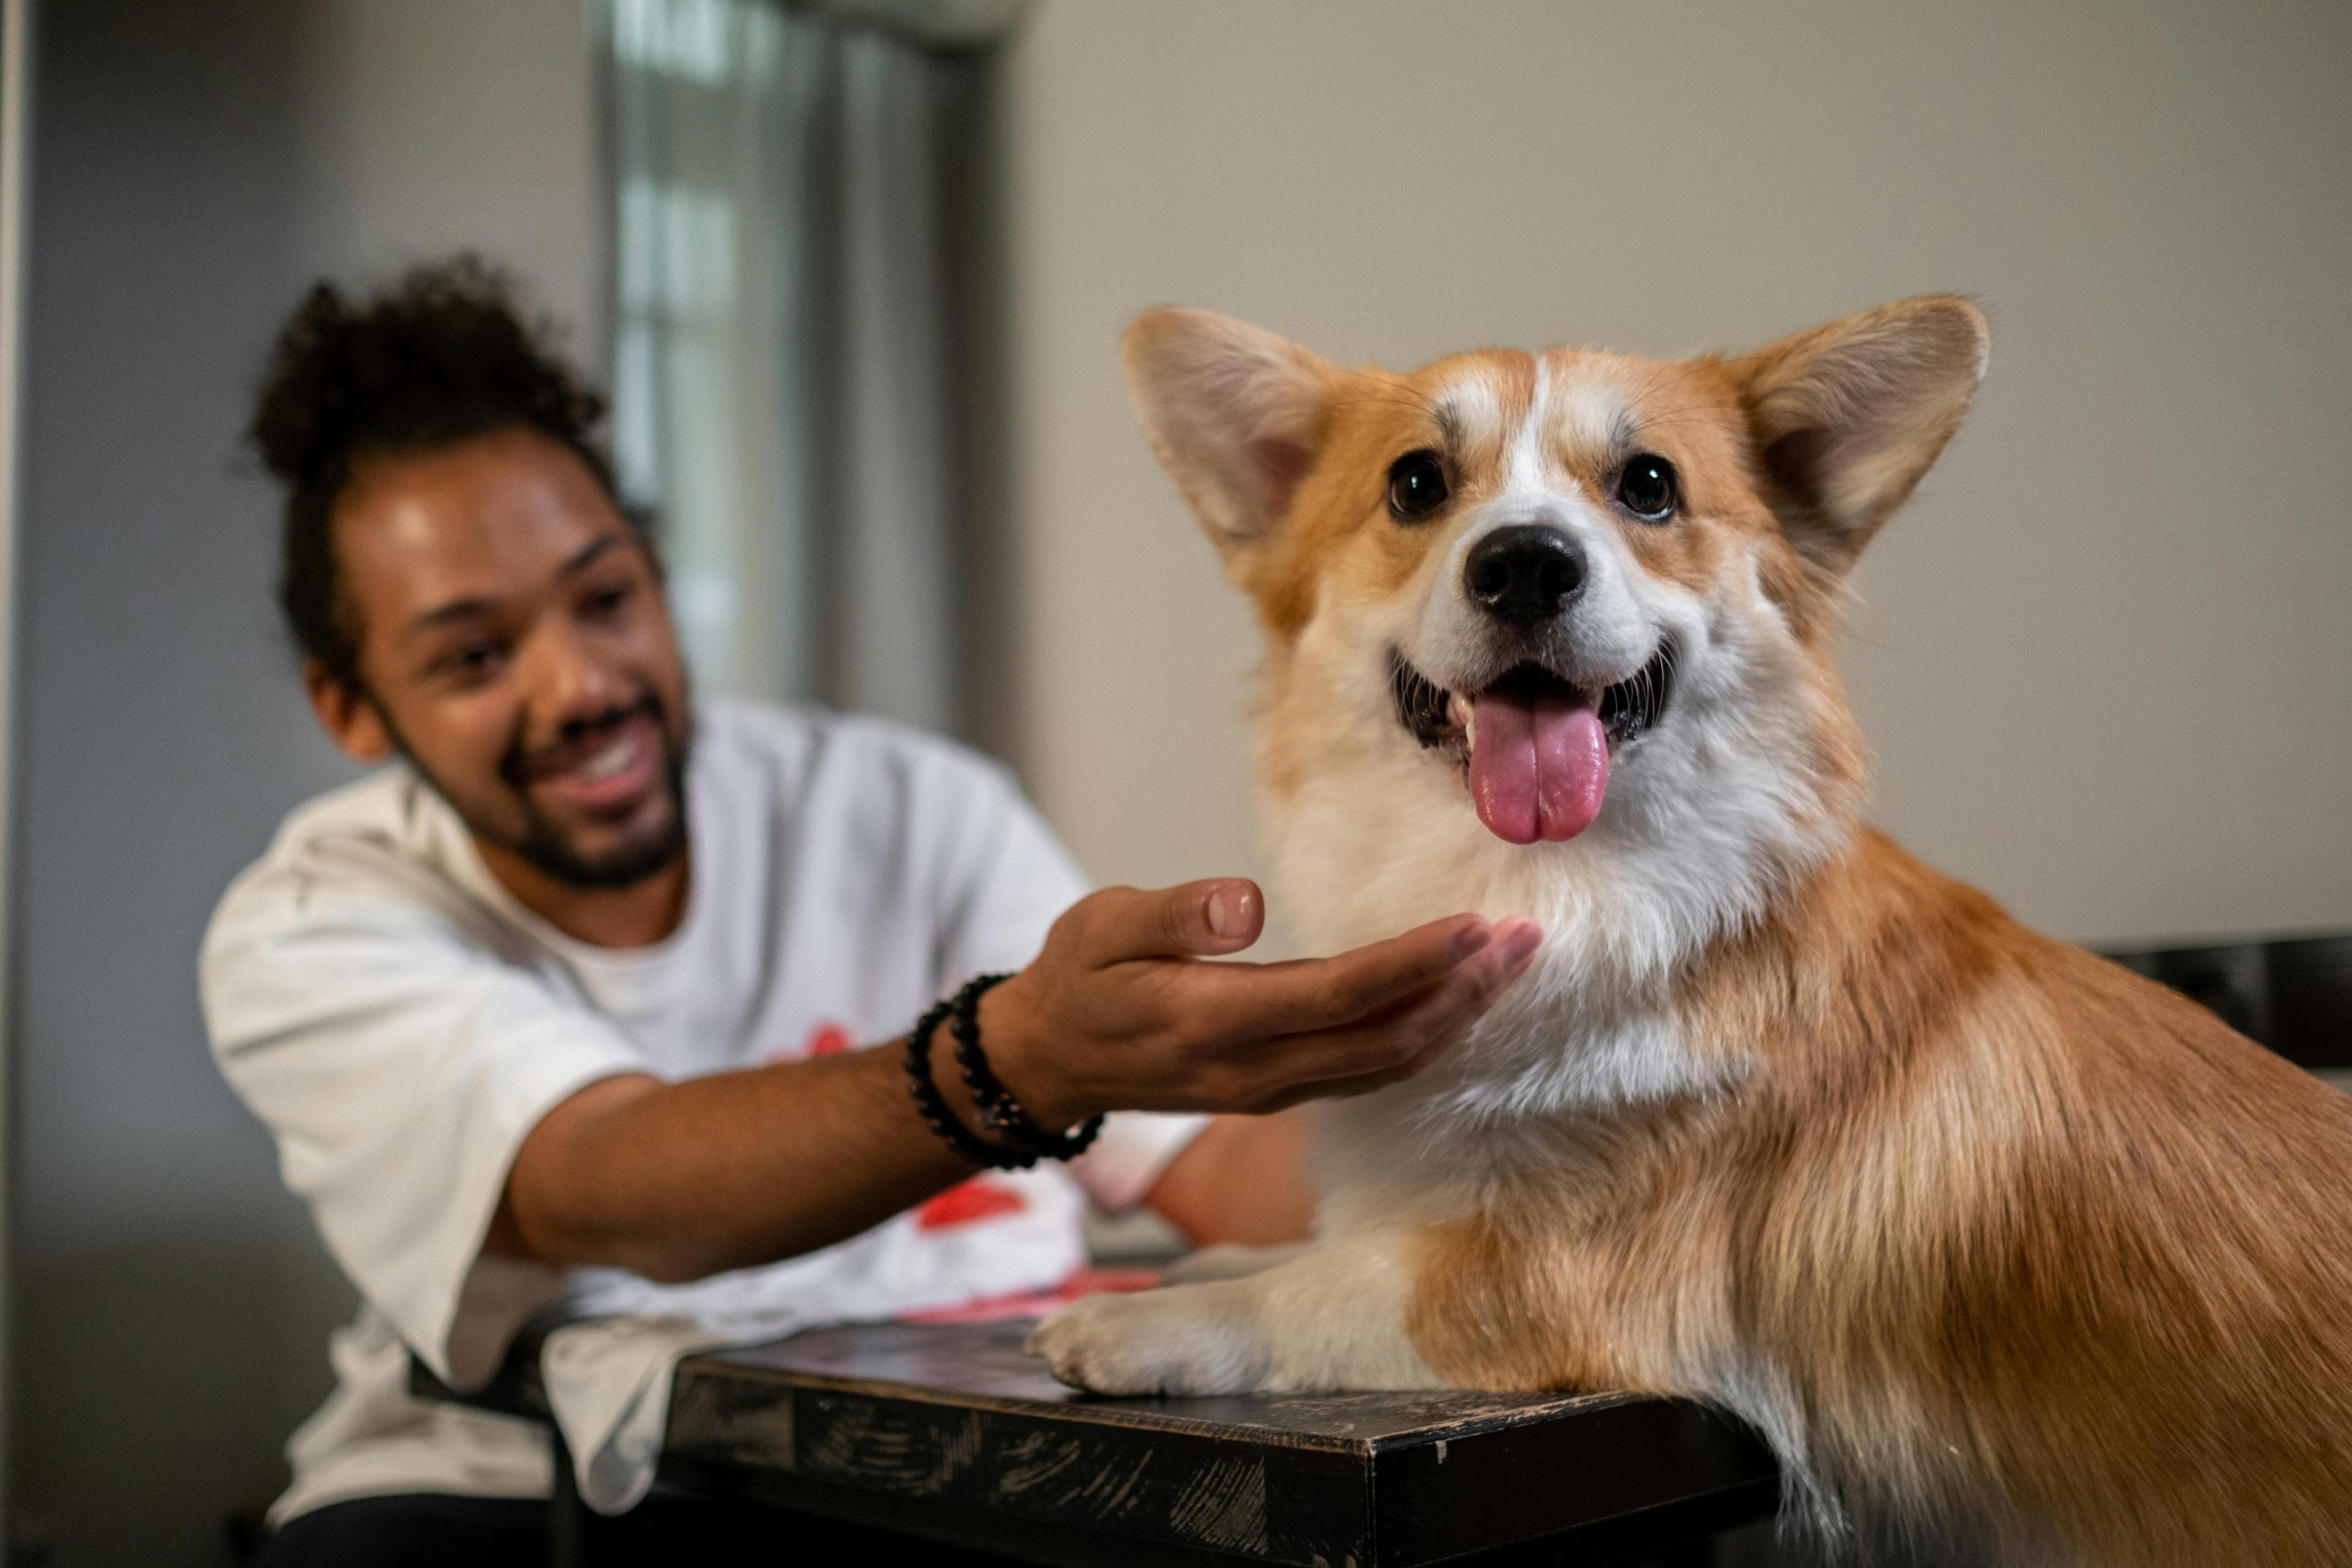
[(949, 1431)]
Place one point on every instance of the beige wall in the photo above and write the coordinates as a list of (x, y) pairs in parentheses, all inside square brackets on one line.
[(2106, 657), (432, 126)]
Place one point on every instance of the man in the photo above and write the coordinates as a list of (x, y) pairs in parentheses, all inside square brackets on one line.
[(565, 1005)]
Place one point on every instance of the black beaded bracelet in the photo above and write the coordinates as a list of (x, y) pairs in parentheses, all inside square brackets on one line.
[(933, 1109), (998, 1108)]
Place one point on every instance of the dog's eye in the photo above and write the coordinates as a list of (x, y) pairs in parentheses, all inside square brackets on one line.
[(1646, 486), (1415, 486)]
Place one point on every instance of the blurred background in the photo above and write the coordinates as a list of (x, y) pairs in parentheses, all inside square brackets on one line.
[(856, 271)]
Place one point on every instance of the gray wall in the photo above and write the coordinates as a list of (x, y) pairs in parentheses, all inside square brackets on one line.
[(2106, 657), (194, 165)]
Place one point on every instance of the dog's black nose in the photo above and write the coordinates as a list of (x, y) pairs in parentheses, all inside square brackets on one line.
[(1523, 574)]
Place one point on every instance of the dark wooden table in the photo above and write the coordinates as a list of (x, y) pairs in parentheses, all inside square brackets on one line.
[(948, 1431)]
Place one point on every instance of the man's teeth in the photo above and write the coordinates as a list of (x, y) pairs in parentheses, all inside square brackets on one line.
[(603, 764)]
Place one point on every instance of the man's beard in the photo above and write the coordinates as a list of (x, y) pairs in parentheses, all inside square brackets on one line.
[(542, 845)]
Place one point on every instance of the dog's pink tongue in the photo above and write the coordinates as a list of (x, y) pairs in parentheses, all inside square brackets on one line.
[(1538, 766)]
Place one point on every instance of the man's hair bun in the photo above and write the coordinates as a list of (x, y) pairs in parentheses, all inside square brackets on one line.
[(442, 356)]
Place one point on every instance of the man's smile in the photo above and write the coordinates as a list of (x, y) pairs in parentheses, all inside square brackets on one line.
[(605, 774)]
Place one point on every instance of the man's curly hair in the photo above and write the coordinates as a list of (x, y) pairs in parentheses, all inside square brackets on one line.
[(441, 357)]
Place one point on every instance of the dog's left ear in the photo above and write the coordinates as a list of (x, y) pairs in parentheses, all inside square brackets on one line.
[(1234, 413), (1847, 417)]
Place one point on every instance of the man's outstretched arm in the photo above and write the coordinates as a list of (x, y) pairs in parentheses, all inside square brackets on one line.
[(1121, 1011)]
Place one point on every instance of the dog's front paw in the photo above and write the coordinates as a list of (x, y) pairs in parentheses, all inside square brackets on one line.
[(1167, 1341)]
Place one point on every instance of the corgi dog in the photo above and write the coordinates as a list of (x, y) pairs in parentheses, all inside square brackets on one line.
[(2012, 1256)]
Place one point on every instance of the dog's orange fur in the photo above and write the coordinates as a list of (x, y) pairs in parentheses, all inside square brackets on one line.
[(2048, 1257), (1989, 1186)]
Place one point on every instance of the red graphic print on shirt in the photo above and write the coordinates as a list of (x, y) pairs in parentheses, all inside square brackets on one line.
[(979, 1199)]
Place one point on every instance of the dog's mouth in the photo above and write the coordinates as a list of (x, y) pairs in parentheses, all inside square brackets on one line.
[(1535, 746)]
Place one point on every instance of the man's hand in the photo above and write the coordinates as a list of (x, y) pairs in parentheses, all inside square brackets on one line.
[(1120, 1012), (680, 1180)]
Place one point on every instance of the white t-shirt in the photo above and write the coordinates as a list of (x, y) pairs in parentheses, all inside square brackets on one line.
[(399, 1022)]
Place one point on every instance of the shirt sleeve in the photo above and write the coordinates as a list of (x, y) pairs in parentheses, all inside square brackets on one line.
[(1017, 880), (398, 1066)]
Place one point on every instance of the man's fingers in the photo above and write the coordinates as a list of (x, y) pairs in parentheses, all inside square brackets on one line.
[(1371, 1054), (1198, 919), (1258, 1001)]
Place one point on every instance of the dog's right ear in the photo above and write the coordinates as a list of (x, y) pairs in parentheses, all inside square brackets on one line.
[(1235, 415)]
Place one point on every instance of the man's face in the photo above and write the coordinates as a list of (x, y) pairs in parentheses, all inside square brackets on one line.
[(514, 642)]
